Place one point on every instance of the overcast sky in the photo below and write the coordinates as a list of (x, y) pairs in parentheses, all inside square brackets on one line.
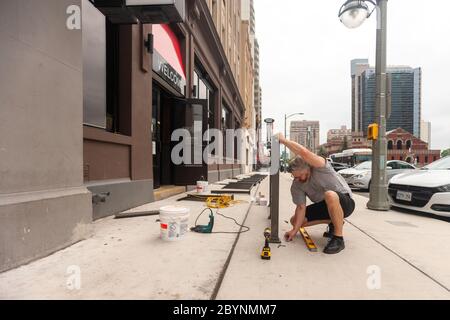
[(306, 53)]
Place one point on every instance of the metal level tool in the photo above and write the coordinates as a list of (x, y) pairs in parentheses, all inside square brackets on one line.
[(309, 242)]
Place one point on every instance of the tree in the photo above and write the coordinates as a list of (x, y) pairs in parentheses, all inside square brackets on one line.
[(345, 144), (445, 153), (322, 152), (284, 160)]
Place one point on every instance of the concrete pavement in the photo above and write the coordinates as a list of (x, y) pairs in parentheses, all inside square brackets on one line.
[(125, 259), (388, 256)]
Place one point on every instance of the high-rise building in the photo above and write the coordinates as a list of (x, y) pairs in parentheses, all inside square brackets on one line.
[(235, 25), (406, 97), (306, 133), (248, 14), (358, 66), (227, 17), (257, 89), (425, 132)]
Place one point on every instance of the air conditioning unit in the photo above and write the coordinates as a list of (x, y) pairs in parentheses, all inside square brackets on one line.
[(146, 11)]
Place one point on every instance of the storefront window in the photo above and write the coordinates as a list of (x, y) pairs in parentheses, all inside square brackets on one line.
[(226, 124), (94, 66), (103, 63), (204, 91)]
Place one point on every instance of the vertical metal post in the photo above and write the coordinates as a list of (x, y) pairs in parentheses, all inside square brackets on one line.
[(275, 190), (285, 148), (378, 191), (269, 132)]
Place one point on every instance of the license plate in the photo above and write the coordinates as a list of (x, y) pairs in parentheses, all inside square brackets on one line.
[(404, 196)]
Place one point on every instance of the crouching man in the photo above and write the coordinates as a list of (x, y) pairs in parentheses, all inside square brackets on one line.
[(316, 179)]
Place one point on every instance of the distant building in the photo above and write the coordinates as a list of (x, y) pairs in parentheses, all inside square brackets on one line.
[(339, 134), (337, 140), (358, 66), (248, 14), (359, 141), (306, 133), (404, 146), (425, 132), (406, 96)]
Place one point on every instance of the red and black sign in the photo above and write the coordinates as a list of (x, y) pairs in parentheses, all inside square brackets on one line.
[(167, 58)]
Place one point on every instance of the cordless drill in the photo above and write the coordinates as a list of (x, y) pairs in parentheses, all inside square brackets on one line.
[(205, 229), (266, 254)]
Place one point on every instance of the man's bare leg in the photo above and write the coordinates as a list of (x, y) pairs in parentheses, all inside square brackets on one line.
[(306, 223), (315, 223), (335, 211)]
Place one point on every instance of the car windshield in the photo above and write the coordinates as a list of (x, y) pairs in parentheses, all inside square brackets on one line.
[(364, 166), (443, 164)]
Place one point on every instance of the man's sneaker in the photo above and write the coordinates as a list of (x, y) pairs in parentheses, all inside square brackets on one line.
[(335, 245), (330, 231)]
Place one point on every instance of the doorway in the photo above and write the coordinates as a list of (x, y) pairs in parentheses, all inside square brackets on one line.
[(170, 113), (161, 134)]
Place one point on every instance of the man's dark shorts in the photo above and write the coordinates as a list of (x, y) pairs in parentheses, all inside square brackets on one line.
[(319, 211)]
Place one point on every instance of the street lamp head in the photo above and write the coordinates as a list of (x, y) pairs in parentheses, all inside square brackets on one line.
[(354, 12), (294, 114)]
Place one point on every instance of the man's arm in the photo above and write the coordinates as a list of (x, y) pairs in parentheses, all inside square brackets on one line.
[(311, 158), (300, 213), (299, 219)]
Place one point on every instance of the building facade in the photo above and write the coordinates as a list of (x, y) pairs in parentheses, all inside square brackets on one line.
[(404, 146), (425, 132), (306, 133), (94, 137), (44, 204), (405, 97), (337, 140), (248, 14), (233, 24), (358, 66), (341, 134), (359, 141)]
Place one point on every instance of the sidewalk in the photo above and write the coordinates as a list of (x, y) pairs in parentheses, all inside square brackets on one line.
[(410, 252), (126, 260)]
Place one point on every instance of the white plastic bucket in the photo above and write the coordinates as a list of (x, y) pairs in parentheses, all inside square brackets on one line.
[(174, 222), (202, 186)]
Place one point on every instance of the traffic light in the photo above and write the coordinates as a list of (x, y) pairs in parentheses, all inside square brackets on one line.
[(373, 132)]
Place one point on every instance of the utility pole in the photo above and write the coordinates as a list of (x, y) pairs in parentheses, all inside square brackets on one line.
[(379, 186)]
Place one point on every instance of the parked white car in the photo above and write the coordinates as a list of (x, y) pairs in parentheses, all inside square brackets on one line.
[(426, 190), (348, 174), (360, 177)]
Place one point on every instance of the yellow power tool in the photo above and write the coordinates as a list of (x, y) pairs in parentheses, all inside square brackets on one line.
[(266, 253)]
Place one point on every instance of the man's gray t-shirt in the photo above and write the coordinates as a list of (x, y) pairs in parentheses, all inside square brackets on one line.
[(321, 180)]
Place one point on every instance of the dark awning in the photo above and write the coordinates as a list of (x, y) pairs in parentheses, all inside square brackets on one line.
[(145, 11)]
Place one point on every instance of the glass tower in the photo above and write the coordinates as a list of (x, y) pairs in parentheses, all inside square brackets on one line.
[(405, 97)]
